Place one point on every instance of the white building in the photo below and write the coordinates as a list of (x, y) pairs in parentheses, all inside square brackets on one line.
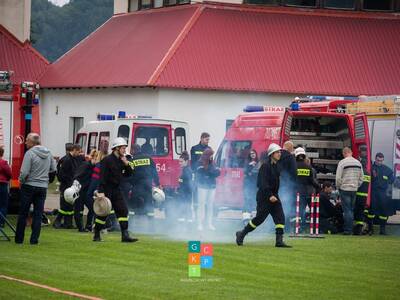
[(203, 63)]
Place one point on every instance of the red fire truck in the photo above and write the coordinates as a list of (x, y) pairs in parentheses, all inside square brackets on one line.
[(318, 124), (255, 129), (19, 115), (164, 140)]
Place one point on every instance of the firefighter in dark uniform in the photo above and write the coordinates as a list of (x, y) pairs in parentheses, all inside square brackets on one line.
[(144, 173), (362, 194), (197, 151), (268, 201), (382, 177), (112, 168), (65, 174), (306, 183), (83, 175)]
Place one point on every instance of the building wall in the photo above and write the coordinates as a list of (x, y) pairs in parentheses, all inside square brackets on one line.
[(15, 15), (203, 110)]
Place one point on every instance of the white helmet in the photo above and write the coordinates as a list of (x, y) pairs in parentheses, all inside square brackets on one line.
[(299, 151), (119, 141), (72, 193), (102, 205), (158, 195), (273, 148)]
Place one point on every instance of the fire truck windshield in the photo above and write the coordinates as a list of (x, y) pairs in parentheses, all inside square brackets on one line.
[(233, 154), (153, 140)]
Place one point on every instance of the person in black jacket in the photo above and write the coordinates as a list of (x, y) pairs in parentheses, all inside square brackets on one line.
[(250, 183), (184, 192), (306, 183), (268, 201), (197, 151), (206, 175), (83, 175), (144, 174), (331, 215), (382, 177), (112, 168), (65, 174)]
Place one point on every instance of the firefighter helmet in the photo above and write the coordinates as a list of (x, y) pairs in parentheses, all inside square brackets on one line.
[(299, 151), (158, 195), (118, 142), (72, 193), (273, 148), (101, 205)]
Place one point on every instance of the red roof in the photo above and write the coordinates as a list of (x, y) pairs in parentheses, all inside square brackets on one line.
[(239, 47), (22, 58)]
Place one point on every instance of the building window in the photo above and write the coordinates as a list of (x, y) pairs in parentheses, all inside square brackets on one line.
[(146, 4), (378, 5), (81, 140), (175, 2), (310, 3), (341, 4), (263, 2)]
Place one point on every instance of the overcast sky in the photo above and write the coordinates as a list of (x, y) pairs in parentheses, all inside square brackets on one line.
[(59, 2)]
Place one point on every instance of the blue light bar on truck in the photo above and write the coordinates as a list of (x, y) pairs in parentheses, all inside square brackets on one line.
[(253, 108), (104, 117)]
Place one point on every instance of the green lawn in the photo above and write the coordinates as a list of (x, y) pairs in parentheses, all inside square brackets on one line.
[(337, 267)]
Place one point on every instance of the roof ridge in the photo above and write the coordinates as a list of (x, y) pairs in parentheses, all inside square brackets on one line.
[(175, 45), (304, 11), (28, 45)]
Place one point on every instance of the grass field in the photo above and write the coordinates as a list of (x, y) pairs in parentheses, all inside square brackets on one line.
[(337, 267)]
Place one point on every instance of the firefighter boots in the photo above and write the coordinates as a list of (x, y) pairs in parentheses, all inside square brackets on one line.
[(125, 238), (280, 243)]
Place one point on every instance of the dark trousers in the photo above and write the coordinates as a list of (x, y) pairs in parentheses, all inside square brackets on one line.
[(4, 194), (143, 198), (66, 210), (36, 196), (120, 208), (265, 208), (359, 210), (79, 205)]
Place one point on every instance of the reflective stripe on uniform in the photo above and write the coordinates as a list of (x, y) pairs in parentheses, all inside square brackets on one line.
[(359, 223), (112, 212), (279, 226), (385, 177), (140, 162), (370, 216), (303, 172), (122, 219), (383, 218), (251, 224), (98, 221), (198, 152), (366, 211), (367, 178), (362, 194), (67, 213)]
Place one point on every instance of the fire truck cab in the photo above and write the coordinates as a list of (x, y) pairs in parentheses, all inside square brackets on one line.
[(253, 129), (164, 140)]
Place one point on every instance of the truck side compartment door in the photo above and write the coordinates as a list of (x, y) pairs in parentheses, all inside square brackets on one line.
[(286, 126), (361, 138)]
